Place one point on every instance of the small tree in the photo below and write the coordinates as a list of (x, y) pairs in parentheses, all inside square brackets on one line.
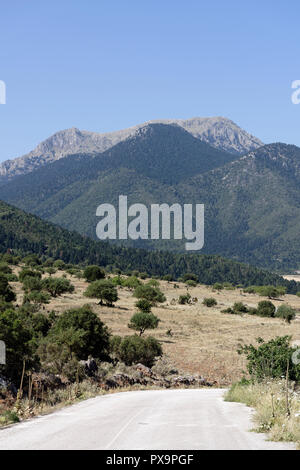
[(144, 305), (103, 290), (82, 332), (270, 359), (190, 276), (152, 294), (271, 291), (131, 282), (141, 322), (285, 312), (31, 284), (59, 264), (184, 299), (218, 286), (191, 283), (6, 292), (29, 273), (37, 298), (265, 308), (136, 349), (93, 273), (57, 286), (209, 302)]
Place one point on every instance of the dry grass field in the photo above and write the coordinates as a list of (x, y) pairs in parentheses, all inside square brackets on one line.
[(203, 340)]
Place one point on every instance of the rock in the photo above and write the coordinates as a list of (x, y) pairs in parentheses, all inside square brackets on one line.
[(45, 381), (90, 367), (145, 371)]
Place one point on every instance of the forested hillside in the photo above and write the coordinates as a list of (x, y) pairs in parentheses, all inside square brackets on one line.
[(22, 233)]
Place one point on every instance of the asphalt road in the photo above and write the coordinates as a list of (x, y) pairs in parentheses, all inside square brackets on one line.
[(158, 420)]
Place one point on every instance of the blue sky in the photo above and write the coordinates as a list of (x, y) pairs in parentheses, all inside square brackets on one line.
[(106, 65)]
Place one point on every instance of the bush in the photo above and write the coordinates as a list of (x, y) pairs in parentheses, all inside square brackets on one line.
[(143, 321), (152, 294), (37, 298), (17, 336), (82, 332), (238, 308), (190, 277), (29, 273), (32, 260), (32, 284), (136, 349), (57, 286), (6, 292), (59, 264), (270, 359), (285, 312), (184, 299), (191, 283), (209, 302), (93, 273), (131, 282), (144, 305), (5, 269), (218, 286), (104, 290), (153, 283), (265, 308)]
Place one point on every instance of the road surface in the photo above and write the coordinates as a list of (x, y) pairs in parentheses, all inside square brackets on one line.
[(158, 420)]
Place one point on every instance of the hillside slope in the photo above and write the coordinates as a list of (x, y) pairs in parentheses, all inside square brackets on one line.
[(23, 233)]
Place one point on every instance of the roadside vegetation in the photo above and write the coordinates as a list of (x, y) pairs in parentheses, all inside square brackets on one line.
[(273, 389)]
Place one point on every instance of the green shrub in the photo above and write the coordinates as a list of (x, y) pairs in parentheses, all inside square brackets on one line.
[(271, 359), (37, 298), (29, 273), (218, 286), (5, 269), (131, 282), (285, 312), (59, 264), (136, 349), (32, 260), (142, 321), (153, 283), (209, 302), (239, 307), (265, 308), (93, 273), (104, 290), (57, 286), (191, 283), (82, 332), (31, 284), (152, 294), (184, 299), (6, 292), (190, 277), (144, 305)]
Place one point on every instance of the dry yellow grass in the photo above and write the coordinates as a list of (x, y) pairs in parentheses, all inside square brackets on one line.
[(204, 340)]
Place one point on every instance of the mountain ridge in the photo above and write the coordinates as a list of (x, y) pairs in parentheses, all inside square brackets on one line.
[(219, 132)]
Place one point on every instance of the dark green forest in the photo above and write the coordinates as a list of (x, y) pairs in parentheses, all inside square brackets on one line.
[(22, 234)]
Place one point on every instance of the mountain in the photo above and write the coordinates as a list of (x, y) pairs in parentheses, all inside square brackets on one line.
[(22, 233), (252, 203), (218, 132), (157, 155)]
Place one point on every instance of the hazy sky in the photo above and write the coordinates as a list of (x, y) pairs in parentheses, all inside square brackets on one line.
[(106, 65)]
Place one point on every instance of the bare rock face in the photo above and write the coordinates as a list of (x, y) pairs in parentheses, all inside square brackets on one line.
[(219, 132)]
